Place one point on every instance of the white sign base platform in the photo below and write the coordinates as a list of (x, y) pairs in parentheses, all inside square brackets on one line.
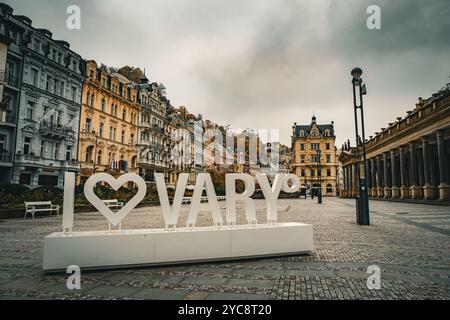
[(145, 247)]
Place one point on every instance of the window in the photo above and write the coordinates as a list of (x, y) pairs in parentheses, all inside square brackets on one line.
[(112, 133), (101, 129), (10, 72), (36, 45), (42, 148), (25, 178), (74, 93), (328, 172), (302, 147), (302, 133), (328, 146), (315, 146), (55, 86), (302, 159), (329, 188), (103, 105), (99, 156), (328, 158), (27, 145), (2, 146), (123, 137), (34, 77), (92, 100), (303, 173), (62, 86), (68, 153), (48, 84), (132, 139), (30, 110), (56, 151), (313, 173), (88, 126), (48, 180), (124, 115)]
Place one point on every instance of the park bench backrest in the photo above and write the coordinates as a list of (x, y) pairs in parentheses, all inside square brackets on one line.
[(110, 201), (41, 203)]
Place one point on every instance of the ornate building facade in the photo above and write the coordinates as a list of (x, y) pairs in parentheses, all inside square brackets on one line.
[(410, 158), (8, 89), (109, 123), (41, 104), (315, 173), (154, 135)]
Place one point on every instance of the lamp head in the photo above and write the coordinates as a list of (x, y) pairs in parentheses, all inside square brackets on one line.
[(356, 73)]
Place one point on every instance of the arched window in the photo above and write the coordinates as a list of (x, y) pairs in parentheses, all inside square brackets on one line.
[(99, 157), (89, 155), (302, 133)]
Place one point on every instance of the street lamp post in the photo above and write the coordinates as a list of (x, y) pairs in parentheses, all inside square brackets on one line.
[(362, 199), (319, 175)]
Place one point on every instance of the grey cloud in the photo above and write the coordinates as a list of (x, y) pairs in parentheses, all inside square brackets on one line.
[(268, 64)]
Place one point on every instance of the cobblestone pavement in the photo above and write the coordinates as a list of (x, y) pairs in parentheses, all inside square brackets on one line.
[(409, 242)]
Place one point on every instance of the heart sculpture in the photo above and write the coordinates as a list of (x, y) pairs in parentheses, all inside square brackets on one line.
[(116, 184)]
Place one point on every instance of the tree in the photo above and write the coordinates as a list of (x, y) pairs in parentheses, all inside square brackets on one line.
[(131, 73)]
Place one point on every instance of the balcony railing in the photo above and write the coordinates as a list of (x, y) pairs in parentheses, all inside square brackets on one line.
[(70, 164), (48, 128), (27, 157)]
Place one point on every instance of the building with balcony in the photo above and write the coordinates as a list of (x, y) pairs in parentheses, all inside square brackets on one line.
[(315, 173), (40, 105), (10, 69), (108, 124), (410, 158), (154, 137), (186, 155)]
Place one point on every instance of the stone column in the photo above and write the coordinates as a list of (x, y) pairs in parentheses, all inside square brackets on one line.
[(344, 174), (387, 186), (354, 192), (444, 187), (420, 172), (343, 178), (415, 190), (368, 178), (380, 190), (349, 183), (404, 191), (428, 192), (395, 188), (373, 191)]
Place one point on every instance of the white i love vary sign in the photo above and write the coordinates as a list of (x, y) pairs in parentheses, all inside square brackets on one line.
[(172, 244)]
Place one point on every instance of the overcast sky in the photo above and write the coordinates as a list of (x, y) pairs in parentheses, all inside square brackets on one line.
[(267, 64)]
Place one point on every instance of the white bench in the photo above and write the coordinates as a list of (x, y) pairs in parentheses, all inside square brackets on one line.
[(113, 204), (116, 205), (43, 206), (188, 200)]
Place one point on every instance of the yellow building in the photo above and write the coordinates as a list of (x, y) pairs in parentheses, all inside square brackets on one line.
[(315, 173), (108, 124)]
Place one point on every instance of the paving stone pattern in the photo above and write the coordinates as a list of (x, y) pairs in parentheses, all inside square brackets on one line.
[(409, 242)]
